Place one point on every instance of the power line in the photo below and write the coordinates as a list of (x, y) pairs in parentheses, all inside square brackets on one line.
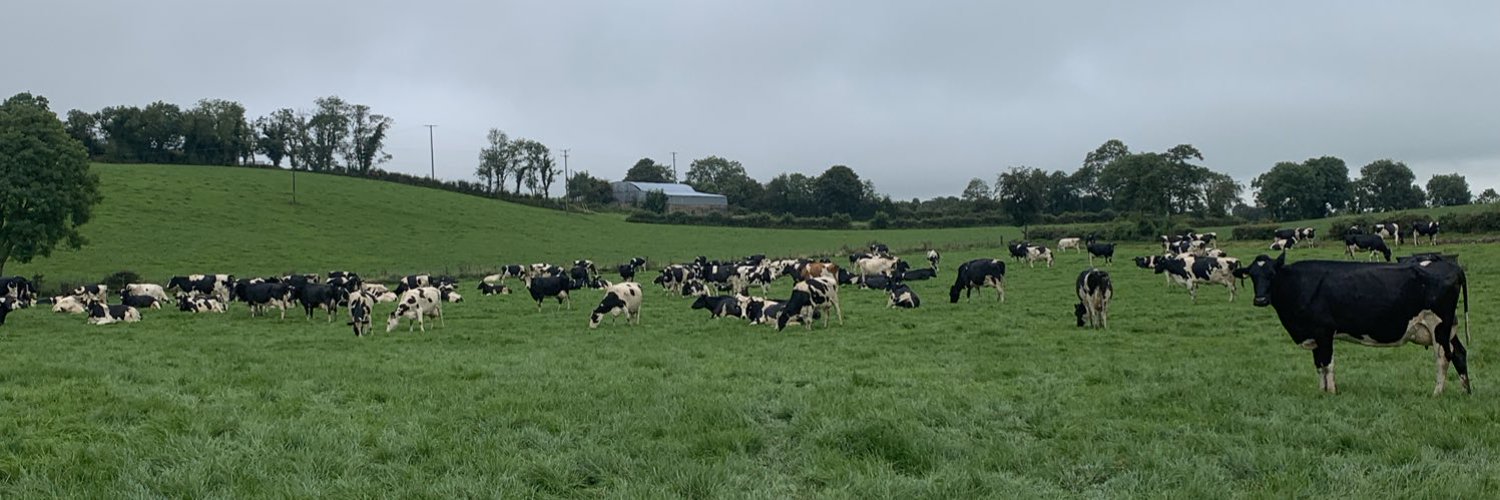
[(565, 178)]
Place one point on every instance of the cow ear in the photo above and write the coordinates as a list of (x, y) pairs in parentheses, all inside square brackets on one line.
[(1281, 259)]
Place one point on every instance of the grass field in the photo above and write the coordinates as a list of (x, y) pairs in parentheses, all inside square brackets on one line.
[(947, 401)]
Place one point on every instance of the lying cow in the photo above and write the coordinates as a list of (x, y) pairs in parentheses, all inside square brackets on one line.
[(417, 304), (144, 289), (92, 293), (200, 305), (1094, 292), (917, 275), (68, 304), (619, 298), (104, 314), (719, 306), (141, 301), (1413, 301), (488, 289), (902, 296)]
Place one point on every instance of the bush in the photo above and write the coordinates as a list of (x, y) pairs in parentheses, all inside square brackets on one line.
[(1474, 222), (117, 281), (881, 220), (1255, 232)]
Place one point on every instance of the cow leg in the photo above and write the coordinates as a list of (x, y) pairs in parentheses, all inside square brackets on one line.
[(1323, 361), (1441, 353), (1460, 358)]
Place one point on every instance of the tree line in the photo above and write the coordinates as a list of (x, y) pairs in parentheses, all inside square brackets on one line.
[(335, 135)]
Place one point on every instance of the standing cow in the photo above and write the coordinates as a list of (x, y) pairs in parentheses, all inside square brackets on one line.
[(1381, 305), (978, 273), (1094, 293), (417, 304), (619, 298)]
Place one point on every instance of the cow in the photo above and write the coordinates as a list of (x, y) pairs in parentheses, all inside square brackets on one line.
[(1285, 234), (348, 282), (217, 285), (144, 289), (1308, 234), (1283, 243), (7, 304), (412, 282), (301, 280), (1366, 242), (1102, 250), (22, 292), (260, 296), (902, 296), (374, 289), (141, 301), (583, 270), (417, 304), (95, 293), (449, 293), (820, 270), (674, 277), (104, 314), (1037, 253), (1415, 300), (1208, 239), (1387, 231), (1183, 246), (619, 298), (811, 296), (747, 276), (758, 310), (916, 275), (199, 304), (694, 288), (360, 306), (542, 269), (1424, 228), (552, 286), (68, 304), (932, 259), (385, 297), (719, 306), (507, 271), (488, 289), (327, 297), (880, 249), (879, 265), (1189, 271), (1094, 292), (978, 273), (1075, 244), (1018, 250), (877, 282), (627, 272)]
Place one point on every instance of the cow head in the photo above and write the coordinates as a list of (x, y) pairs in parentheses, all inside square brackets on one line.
[(1080, 312), (7, 305), (395, 318), (1262, 272)]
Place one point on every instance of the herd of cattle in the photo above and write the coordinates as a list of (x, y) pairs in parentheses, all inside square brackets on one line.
[(1413, 300)]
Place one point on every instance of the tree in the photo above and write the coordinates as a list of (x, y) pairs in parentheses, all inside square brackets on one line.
[(589, 189), (647, 170), (1488, 196), (1388, 185), (977, 191), (1022, 192), (655, 201), (326, 131), (46, 188), (1221, 194), (1139, 183), (839, 191), (721, 176), (213, 133), (276, 135), (161, 133), (1308, 190), (85, 128), (494, 160), (1448, 190), (366, 146), (534, 167), (789, 194)]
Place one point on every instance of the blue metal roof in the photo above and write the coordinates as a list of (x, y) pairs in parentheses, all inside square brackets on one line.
[(671, 189)]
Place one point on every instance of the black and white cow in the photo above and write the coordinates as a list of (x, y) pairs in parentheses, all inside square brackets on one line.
[(978, 273), (260, 296), (1095, 290), (68, 304), (450, 293), (94, 293), (719, 306), (1424, 228), (199, 304), (933, 257), (1284, 238), (1018, 250), (1388, 230), (552, 287), (216, 285), (104, 314), (759, 311), (1190, 271), (880, 249), (141, 301), (746, 276), (7, 304), (902, 296), (877, 282), (1105, 251), (542, 270), (811, 296), (327, 297), (22, 291), (508, 271), (1036, 253), (694, 288), (1366, 243), (619, 298), (346, 281), (360, 306), (1415, 300), (1309, 235), (412, 282), (489, 289), (417, 304), (916, 275)]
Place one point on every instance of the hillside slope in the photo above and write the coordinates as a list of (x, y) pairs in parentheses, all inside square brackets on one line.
[(160, 220)]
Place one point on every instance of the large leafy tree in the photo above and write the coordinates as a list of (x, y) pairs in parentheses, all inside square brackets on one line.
[(589, 189), (1388, 185), (1140, 182), (46, 188), (276, 135), (1449, 190), (1023, 194), (215, 133), (647, 170), (722, 176), (495, 160), (327, 130), (1488, 196), (366, 144), (1307, 190), (789, 194), (840, 191), (85, 128)]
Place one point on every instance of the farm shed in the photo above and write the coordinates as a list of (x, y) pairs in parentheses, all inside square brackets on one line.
[(680, 197)]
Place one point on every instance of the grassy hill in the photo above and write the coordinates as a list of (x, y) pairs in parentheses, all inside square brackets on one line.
[(159, 220)]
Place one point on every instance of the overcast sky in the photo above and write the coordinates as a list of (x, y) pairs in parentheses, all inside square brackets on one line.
[(917, 96)]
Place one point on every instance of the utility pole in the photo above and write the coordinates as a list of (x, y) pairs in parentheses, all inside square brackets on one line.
[(565, 180), (674, 166), (431, 156)]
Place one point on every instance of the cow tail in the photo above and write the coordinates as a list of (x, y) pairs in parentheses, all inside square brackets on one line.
[(1468, 339)]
